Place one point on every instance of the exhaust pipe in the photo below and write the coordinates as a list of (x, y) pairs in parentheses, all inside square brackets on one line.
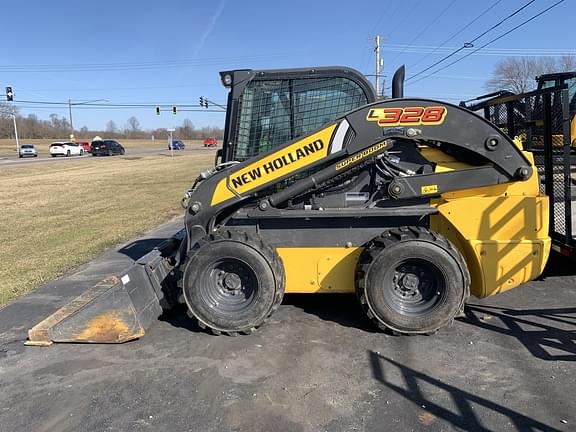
[(398, 83)]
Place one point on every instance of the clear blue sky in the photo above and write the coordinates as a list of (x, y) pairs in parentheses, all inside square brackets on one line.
[(197, 39)]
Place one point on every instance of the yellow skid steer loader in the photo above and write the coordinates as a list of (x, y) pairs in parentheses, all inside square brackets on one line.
[(413, 204)]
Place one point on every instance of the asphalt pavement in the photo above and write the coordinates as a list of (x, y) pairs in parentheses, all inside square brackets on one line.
[(317, 365)]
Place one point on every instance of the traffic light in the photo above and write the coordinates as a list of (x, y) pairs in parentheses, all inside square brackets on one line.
[(157, 110), (174, 110), (206, 103), (9, 94), (201, 101)]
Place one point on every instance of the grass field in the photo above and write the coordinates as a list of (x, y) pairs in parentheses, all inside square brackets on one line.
[(57, 216), (8, 146)]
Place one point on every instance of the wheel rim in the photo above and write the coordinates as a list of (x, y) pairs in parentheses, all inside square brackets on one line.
[(229, 286), (414, 287)]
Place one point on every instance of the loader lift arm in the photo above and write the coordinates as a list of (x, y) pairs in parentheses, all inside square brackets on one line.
[(359, 136)]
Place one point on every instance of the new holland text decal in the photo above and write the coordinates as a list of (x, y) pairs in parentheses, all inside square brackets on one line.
[(408, 116), (281, 163)]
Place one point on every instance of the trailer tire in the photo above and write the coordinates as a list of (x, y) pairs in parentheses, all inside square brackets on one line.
[(411, 280), (233, 282)]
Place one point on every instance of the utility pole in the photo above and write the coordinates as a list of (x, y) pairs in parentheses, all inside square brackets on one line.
[(70, 115), (378, 65)]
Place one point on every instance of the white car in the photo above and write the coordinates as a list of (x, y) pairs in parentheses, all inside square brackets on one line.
[(66, 148), (26, 150)]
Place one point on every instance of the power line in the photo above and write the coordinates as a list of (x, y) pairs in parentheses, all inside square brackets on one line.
[(425, 29), (406, 16), (459, 31), (492, 41), (59, 107), (126, 105), (470, 44), (28, 104), (155, 64), (495, 51)]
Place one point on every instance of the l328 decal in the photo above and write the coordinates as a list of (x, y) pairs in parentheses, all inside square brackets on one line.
[(408, 116)]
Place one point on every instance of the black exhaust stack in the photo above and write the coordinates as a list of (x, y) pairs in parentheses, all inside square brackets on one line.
[(398, 83)]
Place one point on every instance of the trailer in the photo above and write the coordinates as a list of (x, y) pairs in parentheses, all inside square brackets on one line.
[(542, 122)]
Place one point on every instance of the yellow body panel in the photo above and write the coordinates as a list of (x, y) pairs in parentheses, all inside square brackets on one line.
[(319, 269), (502, 232)]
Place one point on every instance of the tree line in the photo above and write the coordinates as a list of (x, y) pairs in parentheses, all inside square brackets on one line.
[(517, 74), (31, 127)]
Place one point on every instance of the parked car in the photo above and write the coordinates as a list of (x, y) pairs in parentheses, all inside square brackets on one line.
[(65, 148), (107, 148), (85, 146), (176, 145), (27, 150), (210, 142)]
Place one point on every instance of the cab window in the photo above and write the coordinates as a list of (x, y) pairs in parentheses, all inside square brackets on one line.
[(273, 112)]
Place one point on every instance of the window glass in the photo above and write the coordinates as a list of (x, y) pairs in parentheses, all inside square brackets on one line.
[(273, 112)]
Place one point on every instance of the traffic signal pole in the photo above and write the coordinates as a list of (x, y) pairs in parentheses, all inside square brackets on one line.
[(16, 133), (10, 98)]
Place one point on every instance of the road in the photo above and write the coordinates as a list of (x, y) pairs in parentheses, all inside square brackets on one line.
[(317, 365), (130, 153)]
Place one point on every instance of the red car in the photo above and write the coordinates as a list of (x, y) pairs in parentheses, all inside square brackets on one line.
[(210, 142), (85, 146)]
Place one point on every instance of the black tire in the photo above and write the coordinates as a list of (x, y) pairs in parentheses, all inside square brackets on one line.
[(110, 153), (412, 280), (20, 156), (122, 152), (67, 153), (53, 155), (233, 282), (81, 152)]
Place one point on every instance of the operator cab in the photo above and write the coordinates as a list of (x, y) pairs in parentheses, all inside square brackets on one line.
[(268, 108)]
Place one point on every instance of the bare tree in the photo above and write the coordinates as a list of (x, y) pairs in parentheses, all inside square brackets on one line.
[(517, 74), (186, 131), (111, 127), (566, 63), (133, 124), (56, 127)]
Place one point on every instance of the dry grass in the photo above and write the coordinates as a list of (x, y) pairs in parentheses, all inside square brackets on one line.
[(8, 146), (57, 216)]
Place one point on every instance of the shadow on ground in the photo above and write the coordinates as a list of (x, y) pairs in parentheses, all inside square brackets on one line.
[(342, 309), (414, 386), (549, 334), (558, 265), (137, 249)]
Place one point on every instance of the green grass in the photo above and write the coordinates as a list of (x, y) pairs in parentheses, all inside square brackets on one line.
[(58, 216)]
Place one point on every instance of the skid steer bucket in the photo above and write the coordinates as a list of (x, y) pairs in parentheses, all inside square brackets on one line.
[(115, 310)]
